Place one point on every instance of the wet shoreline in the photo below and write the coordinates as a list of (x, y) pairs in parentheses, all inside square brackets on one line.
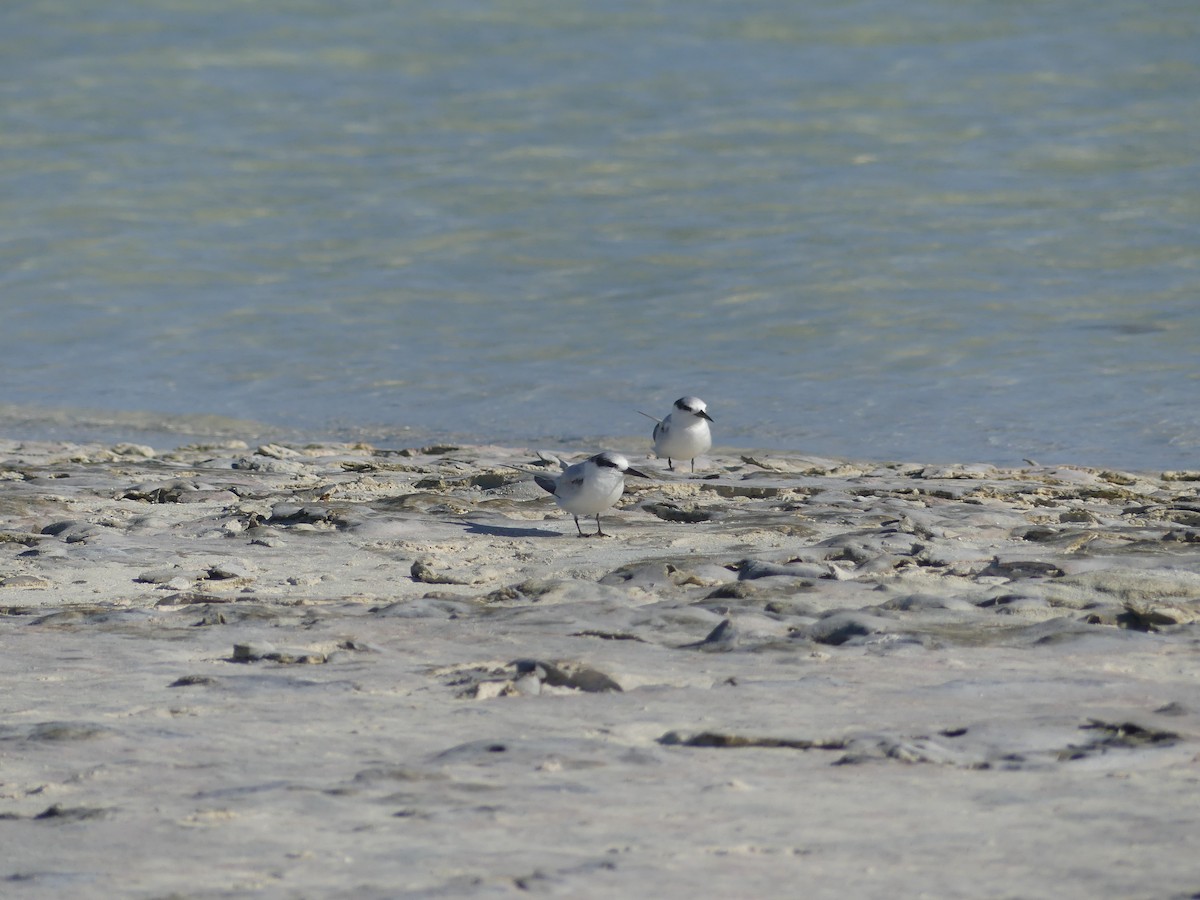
[(335, 669)]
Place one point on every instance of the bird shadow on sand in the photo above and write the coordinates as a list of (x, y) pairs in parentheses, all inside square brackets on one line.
[(505, 531)]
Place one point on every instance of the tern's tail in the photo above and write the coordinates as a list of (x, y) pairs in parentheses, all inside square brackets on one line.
[(546, 483)]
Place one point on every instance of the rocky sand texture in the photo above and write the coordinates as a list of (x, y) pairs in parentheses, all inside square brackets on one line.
[(339, 671)]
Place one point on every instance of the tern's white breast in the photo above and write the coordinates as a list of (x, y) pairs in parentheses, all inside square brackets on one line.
[(683, 436)]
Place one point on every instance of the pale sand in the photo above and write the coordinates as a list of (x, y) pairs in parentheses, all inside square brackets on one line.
[(340, 672)]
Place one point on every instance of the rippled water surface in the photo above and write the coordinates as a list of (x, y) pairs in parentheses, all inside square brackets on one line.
[(929, 229)]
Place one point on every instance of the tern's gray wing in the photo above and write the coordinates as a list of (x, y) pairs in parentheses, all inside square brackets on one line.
[(661, 428), (546, 483), (573, 474)]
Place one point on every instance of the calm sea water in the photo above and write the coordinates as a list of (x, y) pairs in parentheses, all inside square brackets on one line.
[(897, 229)]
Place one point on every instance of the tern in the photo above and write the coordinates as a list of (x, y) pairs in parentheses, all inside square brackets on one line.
[(684, 433), (590, 487)]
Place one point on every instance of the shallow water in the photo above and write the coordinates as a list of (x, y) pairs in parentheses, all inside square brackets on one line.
[(929, 230)]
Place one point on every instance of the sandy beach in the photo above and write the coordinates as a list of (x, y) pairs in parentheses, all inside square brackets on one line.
[(345, 671)]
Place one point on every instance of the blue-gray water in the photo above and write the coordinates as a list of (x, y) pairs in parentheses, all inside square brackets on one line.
[(917, 229)]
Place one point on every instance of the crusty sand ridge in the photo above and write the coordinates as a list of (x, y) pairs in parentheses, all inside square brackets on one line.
[(336, 670)]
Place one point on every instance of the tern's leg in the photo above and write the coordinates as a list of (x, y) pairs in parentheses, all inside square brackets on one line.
[(577, 528), (693, 465), (670, 465), (599, 533)]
